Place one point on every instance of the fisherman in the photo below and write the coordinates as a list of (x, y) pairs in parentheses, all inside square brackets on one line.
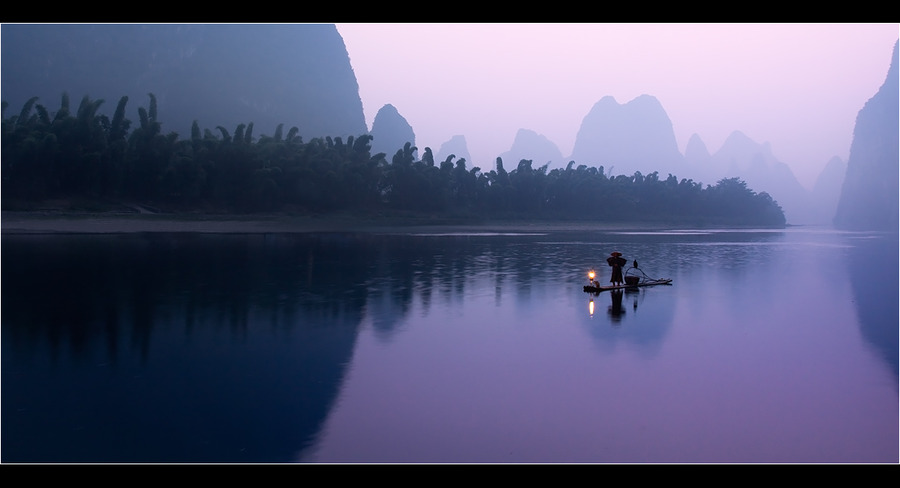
[(616, 261)]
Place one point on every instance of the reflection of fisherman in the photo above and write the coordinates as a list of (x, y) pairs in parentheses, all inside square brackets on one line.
[(616, 261), (615, 308)]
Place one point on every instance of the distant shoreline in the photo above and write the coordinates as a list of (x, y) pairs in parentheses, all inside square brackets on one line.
[(40, 222)]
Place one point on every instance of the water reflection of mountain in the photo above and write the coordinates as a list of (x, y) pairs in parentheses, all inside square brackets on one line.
[(213, 348), (174, 348), (873, 270), (234, 348)]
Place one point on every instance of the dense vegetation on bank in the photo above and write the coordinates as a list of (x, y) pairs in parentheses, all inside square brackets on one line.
[(86, 155)]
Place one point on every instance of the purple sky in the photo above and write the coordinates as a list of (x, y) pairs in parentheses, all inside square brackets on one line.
[(797, 86)]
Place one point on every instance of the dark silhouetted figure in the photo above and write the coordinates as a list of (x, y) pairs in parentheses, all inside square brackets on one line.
[(616, 261)]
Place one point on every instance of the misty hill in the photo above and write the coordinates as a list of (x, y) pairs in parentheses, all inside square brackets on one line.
[(219, 74), (531, 145), (743, 157), (636, 136), (698, 159), (456, 146), (827, 190), (869, 198), (390, 131)]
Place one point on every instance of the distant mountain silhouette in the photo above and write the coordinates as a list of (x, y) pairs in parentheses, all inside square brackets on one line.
[(740, 154), (827, 190), (390, 131), (698, 160), (869, 197), (457, 147), (753, 162), (219, 74), (531, 145), (742, 157), (636, 136)]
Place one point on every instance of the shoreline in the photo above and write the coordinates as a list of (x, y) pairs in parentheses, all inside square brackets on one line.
[(41, 222)]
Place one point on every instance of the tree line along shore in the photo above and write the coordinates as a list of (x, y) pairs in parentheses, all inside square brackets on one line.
[(98, 164)]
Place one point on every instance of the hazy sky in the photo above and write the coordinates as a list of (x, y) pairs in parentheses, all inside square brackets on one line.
[(796, 86)]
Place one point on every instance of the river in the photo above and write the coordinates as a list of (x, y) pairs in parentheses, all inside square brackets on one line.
[(407, 346)]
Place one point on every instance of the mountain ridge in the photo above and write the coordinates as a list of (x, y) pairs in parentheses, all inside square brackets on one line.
[(218, 74), (869, 194)]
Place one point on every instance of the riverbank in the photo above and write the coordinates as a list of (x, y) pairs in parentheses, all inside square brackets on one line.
[(54, 222)]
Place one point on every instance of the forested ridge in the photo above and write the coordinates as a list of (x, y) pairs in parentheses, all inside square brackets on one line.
[(84, 155)]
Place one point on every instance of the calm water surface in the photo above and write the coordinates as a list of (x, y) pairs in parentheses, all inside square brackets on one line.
[(769, 346)]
